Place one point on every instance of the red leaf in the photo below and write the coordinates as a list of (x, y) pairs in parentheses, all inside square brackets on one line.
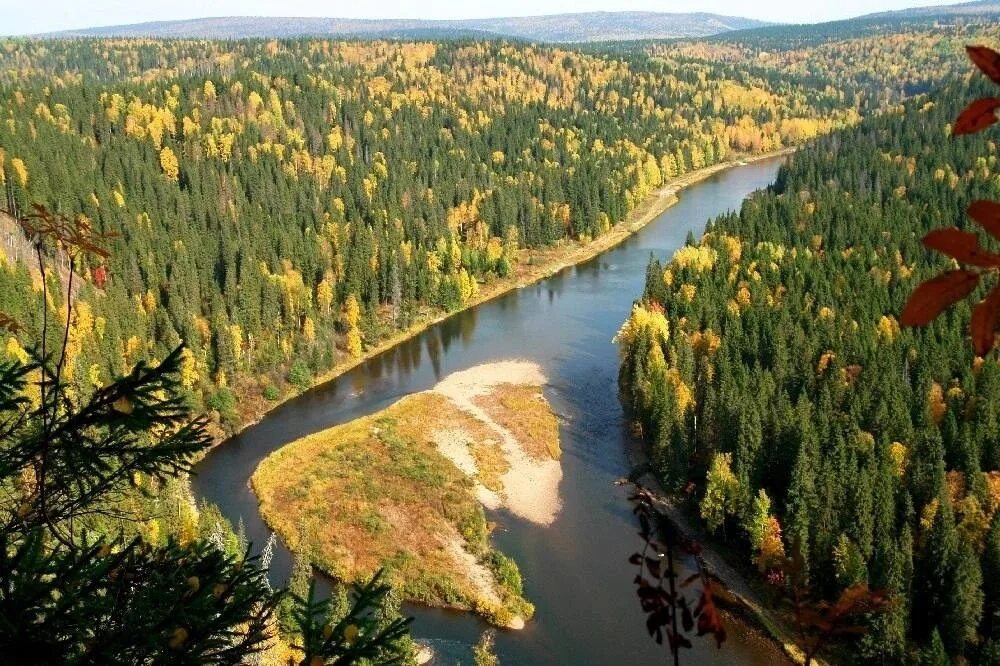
[(931, 298), (709, 620), (960, 245), (977, 116), (985, 317), (987, 215), (985, 59)]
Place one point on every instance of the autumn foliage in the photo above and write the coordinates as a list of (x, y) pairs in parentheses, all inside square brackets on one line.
[(836, 450), (933, 296), (670, 614), (285, 206)]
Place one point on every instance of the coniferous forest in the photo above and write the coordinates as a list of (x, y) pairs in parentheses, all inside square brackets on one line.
[(766, 364), (279, 205), (229, 222)]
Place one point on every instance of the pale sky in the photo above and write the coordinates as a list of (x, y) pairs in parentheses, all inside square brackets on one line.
[(18, 17)]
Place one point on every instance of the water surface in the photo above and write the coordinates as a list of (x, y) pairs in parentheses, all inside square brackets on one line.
[(575, 571)]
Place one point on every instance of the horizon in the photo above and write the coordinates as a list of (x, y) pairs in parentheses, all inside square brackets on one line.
[(28, 21)]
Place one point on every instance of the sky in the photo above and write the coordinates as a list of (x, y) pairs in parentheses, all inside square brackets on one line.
[(19, 17)]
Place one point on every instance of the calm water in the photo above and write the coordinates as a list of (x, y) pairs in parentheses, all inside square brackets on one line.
[(575, 570)]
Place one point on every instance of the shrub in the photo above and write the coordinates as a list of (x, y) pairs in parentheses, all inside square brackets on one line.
[(505, 572), (223, 401), (300, 376)]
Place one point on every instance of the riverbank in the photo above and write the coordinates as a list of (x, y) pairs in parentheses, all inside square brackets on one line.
[(409, 494), (742, 599), (566, 326), (533, 266)]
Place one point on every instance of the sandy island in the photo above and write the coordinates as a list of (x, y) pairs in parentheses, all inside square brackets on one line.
[(404, 489)]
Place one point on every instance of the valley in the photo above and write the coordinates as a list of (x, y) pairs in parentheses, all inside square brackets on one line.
[(350, 340)]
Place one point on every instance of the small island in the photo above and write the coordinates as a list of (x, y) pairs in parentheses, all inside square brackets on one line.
[(404, 489)]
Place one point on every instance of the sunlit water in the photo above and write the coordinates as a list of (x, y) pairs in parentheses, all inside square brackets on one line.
[(575, 571)]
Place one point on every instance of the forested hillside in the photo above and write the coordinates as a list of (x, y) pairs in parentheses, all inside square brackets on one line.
[(283, 206), (766, 367), (945, 16), (280, 206), (875, 63)]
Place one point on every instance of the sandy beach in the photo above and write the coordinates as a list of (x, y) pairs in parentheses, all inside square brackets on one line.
[(530, 486)]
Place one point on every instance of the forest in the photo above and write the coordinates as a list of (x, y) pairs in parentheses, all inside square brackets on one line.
[(275, 209), (766, 366), (874, 64), (281, 206)]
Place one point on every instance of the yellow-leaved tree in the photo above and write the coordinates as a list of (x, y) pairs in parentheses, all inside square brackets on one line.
[(352, 320), (168, 162), (722, 492)]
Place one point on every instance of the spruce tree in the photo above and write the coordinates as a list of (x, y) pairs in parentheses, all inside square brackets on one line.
[(964, 608), (71, 595)]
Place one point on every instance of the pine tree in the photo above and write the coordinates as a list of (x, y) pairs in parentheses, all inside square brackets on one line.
[(484, 653), (991, 579), (71, 595), (964, 607), (934, 653), (935, 567)]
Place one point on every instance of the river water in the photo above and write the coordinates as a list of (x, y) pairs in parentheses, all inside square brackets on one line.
[(575, 571)]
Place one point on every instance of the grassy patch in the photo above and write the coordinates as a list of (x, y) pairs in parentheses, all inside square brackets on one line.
[(523, 410), (491, 463), (376, 493), (508, 578)]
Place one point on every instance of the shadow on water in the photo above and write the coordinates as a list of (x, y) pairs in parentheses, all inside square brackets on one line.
[(575, 571)]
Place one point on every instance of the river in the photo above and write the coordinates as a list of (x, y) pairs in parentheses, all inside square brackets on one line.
[(575, 570)]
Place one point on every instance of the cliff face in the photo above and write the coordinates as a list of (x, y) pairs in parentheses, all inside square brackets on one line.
[(15, 248)]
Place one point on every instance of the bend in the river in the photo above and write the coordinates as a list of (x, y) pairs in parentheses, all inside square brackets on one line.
[(575, 570)]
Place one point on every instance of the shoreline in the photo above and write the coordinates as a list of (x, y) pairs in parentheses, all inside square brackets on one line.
[(568, 254), (565, 255), (744, 604), (442, 431)]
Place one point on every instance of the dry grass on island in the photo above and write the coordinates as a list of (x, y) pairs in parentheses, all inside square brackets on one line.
[(404, 489)]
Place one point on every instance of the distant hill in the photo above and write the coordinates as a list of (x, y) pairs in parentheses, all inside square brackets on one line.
[(798, 36), (582, 27), (961, 9)]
